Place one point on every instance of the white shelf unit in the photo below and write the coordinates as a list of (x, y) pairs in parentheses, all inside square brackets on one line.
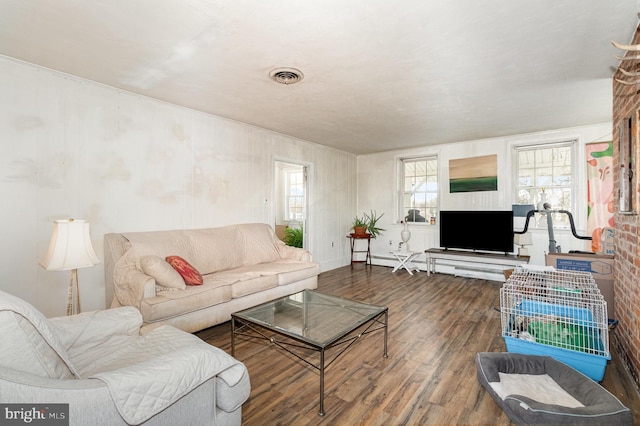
[(469, 263)]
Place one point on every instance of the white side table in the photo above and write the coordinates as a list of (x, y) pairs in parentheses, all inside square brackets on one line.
[(405, 260)]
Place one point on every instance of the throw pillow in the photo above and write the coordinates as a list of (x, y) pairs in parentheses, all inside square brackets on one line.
[(189, 274), (164, 274)]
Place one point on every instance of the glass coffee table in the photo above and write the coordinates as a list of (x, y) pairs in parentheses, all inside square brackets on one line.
[(311, 321)]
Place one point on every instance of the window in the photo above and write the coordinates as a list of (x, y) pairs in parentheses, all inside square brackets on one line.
[(419, 189), (294, 193), (545, 174), (290, 193)]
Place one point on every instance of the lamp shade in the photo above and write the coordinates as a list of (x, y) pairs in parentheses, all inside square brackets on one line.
[(523, 239), (70, 246), (521, 210)]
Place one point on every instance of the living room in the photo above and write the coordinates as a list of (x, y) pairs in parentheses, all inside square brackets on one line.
[(127, 162)]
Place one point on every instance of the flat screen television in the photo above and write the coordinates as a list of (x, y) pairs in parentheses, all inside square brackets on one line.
[(484, 230)]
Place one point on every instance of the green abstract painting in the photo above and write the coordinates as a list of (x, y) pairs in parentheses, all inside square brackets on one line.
[(473, 174)]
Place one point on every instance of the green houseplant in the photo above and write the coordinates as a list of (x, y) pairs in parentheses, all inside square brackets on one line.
[(359, 225), (367, 222), (293, 237), (372, 223)]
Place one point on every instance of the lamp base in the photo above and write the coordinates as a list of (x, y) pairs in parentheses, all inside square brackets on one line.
[(73, 293), (523, 252)]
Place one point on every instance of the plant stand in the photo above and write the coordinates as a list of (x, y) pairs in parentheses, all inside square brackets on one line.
[(355, 250)]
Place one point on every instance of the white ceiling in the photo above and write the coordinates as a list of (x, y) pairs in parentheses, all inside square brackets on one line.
[(378, 74)]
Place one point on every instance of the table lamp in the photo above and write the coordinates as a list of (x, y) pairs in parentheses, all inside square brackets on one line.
[(70, 248), (523, 240), (520, 212)]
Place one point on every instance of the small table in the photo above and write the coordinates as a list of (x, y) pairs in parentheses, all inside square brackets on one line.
[(405, 259), (354, 249), (311, 320)]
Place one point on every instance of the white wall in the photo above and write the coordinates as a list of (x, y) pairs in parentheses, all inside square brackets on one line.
[(378, 183), (76, 149)]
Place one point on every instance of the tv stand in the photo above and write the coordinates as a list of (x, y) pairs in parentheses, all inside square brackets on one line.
[(496, 259), (472, 252)]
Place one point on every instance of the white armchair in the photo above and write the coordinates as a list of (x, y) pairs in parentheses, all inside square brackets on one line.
[(113, 372)]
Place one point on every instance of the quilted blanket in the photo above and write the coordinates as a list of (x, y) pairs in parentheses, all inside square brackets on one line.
[(158, 368), (42, 340)]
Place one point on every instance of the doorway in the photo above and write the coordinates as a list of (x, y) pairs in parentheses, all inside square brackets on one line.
[(291, 199)]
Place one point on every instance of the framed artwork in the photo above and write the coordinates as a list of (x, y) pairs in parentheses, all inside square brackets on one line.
[(627, 167), (600, 194), (473, 174)]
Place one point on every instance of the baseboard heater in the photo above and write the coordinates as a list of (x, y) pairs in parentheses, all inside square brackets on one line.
[(469, 272)]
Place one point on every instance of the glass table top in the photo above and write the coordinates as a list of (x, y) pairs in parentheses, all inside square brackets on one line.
[(312, 317)]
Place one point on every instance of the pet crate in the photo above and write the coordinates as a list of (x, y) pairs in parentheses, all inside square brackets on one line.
[(556, 313)]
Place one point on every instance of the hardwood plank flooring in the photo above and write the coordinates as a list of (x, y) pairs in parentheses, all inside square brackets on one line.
[(437, 324)]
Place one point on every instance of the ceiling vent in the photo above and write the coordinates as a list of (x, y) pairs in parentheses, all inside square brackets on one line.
[(286, 75)]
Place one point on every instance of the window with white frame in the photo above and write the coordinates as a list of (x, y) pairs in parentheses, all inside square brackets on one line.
[(419, 189), (545, 175), (294, 193)]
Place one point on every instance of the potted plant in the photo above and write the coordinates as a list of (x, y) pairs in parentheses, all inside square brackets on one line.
[(360, 225), (372, 223), (293, 237), (367, 223)]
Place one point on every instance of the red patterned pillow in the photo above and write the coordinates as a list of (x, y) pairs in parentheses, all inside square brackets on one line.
[(189, 274)]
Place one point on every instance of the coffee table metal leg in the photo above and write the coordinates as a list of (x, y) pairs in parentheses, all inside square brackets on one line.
[(386, 328), (321, 413), (233, 336)]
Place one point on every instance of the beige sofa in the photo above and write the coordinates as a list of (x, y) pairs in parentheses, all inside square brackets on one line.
[(241, 265)]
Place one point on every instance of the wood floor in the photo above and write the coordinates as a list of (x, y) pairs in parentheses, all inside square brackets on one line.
[(437, 324)]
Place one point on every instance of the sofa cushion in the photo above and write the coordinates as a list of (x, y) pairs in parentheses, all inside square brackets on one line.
[(249, 285), (161, 243), (296, 275), (288, 271), (189, 274), (168, 304), (216, 249), (164, 274), (259, 243)]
